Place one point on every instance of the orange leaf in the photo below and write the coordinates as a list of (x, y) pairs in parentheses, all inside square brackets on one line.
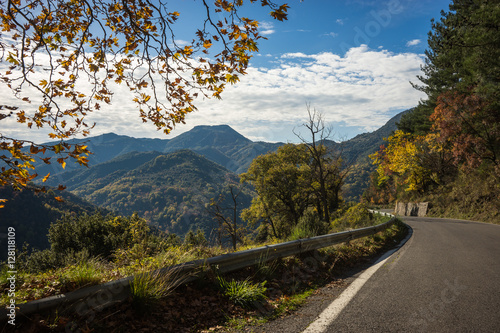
[(45, 178)]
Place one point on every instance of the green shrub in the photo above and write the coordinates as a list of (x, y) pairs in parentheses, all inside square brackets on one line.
[(40, 261), (149, 287), (309, 225), (243, 293), (356, 216), (101, 235)]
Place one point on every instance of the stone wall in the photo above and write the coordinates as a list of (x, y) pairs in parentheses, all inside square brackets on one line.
[(411, 208)]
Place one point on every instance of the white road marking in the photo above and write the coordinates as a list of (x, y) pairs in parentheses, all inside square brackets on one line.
[(326, 318)]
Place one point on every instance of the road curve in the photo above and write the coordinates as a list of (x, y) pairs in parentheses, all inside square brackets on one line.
[(446, 278)]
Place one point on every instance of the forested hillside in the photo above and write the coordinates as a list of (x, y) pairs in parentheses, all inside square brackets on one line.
[(31, 214), (169, 190), (172, 191), (447, 150)]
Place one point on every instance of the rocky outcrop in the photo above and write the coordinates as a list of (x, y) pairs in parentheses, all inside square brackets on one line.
[(411, 208)]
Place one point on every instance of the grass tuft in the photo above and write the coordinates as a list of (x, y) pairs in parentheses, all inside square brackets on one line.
[(148, 288), (243, 293), (84, 273)]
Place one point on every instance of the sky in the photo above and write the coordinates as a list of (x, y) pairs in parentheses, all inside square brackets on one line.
[(351, 60)]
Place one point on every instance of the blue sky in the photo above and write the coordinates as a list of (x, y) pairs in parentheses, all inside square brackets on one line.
[(337, 26), (352, 60)]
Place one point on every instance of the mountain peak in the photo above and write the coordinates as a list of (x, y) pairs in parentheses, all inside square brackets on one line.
[(219, 130), (207, 136)]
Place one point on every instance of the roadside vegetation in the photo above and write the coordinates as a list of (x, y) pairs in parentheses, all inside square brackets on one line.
[(93, 249), (126, 247), (298, 195)]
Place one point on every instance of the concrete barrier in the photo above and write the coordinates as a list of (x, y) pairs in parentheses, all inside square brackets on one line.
[(411, 208)]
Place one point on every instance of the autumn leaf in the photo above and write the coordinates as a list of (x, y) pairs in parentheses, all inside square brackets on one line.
[(46, 177), (207, 43), (82, 47)]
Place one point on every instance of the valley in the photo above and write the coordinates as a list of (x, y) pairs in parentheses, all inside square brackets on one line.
[(169, 182)]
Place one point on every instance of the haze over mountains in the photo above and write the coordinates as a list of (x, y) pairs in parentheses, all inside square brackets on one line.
[(115, 155), (170, 181), (220, 144)]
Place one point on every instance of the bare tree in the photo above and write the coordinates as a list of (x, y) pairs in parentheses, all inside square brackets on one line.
[(328, 173), (227, 216)]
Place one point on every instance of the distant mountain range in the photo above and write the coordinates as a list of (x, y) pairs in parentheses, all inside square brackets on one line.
[(220, 144), (170, 181)]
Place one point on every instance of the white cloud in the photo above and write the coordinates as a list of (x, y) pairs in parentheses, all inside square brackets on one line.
[(267, 32), (361, 90), (267, 28), (413, 42), (357, 92), (331, 34), (340, 21)]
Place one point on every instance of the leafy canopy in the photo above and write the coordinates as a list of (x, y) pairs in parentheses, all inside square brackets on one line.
[(457, 129), (62, 59), (462, 56)]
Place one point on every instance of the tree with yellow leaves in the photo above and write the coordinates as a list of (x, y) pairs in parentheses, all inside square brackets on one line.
[(403, 158)]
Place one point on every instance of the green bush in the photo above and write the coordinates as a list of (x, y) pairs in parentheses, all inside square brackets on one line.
[(356, 216), (75, 239), (193, 239), (243, 293), (309, 225), (100, 235), (40, 261)]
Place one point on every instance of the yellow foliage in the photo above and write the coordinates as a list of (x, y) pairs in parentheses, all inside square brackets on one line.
[(403, 156), (123, 42)]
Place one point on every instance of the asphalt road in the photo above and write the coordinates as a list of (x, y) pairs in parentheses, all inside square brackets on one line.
[(446, 278)]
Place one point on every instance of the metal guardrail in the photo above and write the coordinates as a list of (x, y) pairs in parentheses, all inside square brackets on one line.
[(86, 301), (380, 212)]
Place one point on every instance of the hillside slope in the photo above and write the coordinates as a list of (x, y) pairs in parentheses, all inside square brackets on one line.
[(220, 144), (170, 190), (31, 214), (356, 151)]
